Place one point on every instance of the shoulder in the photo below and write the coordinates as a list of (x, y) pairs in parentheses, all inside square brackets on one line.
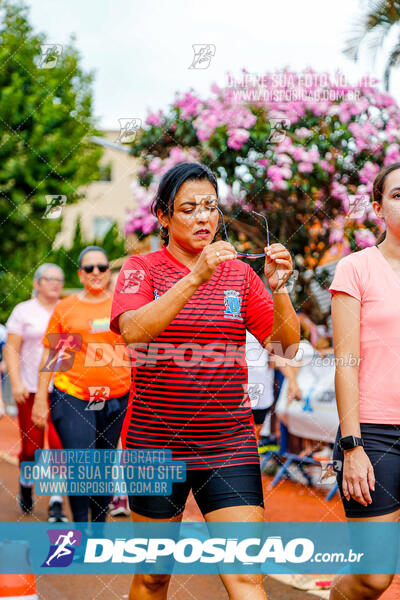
[(357, 259), (66, 303), (145, 260), (23, 308)]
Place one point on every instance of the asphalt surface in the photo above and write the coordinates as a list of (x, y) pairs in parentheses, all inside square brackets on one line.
[(115, 587)]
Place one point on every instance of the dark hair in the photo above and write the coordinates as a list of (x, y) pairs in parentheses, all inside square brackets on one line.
[(89, 249), (170, 183), (377, 191)]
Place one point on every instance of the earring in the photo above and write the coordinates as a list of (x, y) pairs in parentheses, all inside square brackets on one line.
[(164, 231)]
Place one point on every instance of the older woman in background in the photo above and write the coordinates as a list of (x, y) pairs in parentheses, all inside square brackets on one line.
[(23, 351)]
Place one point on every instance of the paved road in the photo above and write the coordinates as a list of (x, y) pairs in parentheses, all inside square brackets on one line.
[(116, 587)]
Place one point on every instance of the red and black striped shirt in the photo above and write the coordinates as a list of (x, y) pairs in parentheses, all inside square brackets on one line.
[(188, 390)]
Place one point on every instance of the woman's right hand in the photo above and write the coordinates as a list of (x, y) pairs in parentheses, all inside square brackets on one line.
[(210, 257), (358, 476), (19, 393), (40, 411)]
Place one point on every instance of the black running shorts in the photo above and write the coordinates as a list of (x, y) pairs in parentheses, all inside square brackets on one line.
[(221, 487), (382, 445)]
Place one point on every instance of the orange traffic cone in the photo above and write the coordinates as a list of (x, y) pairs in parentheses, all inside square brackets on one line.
[(17, 587)]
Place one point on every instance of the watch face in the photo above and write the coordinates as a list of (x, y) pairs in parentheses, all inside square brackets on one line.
[(347, 443)]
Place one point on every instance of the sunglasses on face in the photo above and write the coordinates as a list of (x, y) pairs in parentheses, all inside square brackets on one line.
[(90, 268)]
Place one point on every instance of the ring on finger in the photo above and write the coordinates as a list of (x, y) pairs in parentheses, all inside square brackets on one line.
[(217, 253)]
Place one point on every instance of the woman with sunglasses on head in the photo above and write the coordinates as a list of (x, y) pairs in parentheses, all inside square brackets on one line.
[(188, 307), (366, 335), (78, 332)]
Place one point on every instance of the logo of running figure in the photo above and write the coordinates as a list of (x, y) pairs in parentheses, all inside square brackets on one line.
[(50, 53), (133, 279), (285, 282), (233, 303), (61, 551), (128, 129), (329, 470), (98, 396), (61, 355), (255, 391), (203, 54), (54, 206), (278, 129), (358, 204)]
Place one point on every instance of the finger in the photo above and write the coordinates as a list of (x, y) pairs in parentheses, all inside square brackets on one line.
[(345, 489), (357, 493), (371, 477), (350, 488), (273, 247), (278, 252), (221, 245), (283, 262), (224, 256), (365, 491)]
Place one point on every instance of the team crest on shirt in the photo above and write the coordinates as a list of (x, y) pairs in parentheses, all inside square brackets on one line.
[(156, 295), (233, 303)]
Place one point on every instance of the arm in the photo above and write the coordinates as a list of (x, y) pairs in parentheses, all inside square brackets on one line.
[(147, 322), (358, 473), (12, 352), (285, 336), (40, 409), (290, 372), (2, 407)]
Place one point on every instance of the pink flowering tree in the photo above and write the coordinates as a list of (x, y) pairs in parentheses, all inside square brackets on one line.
[(301, 149)]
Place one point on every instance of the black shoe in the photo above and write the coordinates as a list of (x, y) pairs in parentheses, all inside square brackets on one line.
[(24, 498), (55, 513)]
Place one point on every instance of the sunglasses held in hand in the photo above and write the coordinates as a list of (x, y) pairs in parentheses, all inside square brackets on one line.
[(245, 254)]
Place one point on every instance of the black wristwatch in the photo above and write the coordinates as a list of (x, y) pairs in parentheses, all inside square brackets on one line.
[(349, 442)]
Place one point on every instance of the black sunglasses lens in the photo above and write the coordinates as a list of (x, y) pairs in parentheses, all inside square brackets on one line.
[(90, 268)]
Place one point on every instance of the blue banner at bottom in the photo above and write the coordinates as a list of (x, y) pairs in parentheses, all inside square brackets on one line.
[(208, 548)]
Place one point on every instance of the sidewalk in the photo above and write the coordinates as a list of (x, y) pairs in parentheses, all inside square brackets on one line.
[(286, 502)]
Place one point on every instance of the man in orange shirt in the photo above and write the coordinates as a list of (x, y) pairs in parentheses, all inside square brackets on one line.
[(88, 361)]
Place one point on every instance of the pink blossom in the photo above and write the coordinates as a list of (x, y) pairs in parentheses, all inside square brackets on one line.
[(189, 104), (303, 132), (298, 153), (237, 138), (368, 172), (263, 161), (305, 167), (154, 118), (275, 173), (338, 190), (327, 166), (392, 154), (336, 235), (364, 238), (155, 164), (311, 156)]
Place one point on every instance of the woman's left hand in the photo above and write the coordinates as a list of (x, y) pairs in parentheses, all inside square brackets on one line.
[(278, 266)]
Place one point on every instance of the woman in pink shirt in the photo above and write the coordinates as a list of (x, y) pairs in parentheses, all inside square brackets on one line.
[(366, 332), (23, 351)]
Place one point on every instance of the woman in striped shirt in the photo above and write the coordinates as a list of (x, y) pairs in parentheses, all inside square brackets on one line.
[(187, 308)]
